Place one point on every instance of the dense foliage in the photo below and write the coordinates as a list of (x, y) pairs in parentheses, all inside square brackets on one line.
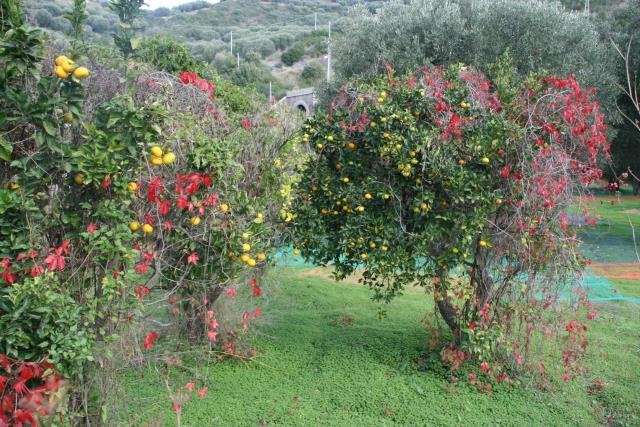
[(126, 197)]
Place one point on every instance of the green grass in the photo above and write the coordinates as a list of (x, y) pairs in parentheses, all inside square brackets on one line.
[(313, 369)]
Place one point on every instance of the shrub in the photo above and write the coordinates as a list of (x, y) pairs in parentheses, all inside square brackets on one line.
[(312, 73), (166, 54), (293, 54), (436, 180)]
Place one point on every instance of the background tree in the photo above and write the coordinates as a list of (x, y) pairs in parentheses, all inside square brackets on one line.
[(624, 34), (540, 35)]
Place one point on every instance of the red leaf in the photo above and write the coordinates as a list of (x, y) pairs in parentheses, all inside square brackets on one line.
[(193, 258), (150, 340)]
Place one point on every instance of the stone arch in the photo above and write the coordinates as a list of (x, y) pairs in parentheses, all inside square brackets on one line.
[(302, 106)]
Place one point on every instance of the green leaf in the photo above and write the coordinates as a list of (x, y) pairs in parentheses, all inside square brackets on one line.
[(5, 150), (50, 128)]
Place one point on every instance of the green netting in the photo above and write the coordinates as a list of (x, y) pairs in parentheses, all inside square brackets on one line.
[(598, 288)]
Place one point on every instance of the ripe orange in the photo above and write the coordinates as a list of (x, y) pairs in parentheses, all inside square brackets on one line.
[(156, 151), (81, 73), (60, 72)]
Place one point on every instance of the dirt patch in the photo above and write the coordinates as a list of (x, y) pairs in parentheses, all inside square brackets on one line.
[(326, 273), (628, 271)]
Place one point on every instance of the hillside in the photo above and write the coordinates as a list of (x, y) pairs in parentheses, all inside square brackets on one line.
[(275, 40)]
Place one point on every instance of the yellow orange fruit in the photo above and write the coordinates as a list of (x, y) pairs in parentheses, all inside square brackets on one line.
[(68, 66), (133, 186), (156, 161), (251, 262), (261, 256), (61, 60), (134, 226), (156, 151), (195, 220), (81, 73), (14, 185), (224, 208), (78, 179), (60, 72), (168, 158), (368, 196), (246, 247), (485, 160), (483, 243), (296, 252), (147, 229), (244, 258)]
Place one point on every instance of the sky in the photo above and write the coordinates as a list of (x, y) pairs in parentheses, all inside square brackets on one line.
[(152, 4)]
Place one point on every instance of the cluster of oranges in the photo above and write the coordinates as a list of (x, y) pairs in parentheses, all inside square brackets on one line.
[(159, 157), (65, 67), (246, 257), (135, 226)]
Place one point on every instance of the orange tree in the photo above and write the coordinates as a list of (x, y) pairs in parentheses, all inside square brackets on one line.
[(444, 180)]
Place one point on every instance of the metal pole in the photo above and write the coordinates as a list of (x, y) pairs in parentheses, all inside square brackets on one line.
[(270, 96), (329, 55), (238, 56), (231, 42), (315, 21), (587, 7)]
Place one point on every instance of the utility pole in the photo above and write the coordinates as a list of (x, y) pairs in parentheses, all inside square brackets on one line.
[(231, 42), (586, 7), (238, 56), (329, 55), (315, 21)]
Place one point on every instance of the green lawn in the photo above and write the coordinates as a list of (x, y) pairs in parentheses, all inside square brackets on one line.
[(326, 358), (313, 369)]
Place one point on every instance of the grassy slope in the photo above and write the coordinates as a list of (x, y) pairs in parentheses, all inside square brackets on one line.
[(313, 369)]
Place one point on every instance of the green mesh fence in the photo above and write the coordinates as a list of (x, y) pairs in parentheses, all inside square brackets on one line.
[(598, 288)]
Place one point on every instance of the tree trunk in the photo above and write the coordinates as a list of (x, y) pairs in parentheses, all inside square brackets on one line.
[(448, 313), (196, 314)]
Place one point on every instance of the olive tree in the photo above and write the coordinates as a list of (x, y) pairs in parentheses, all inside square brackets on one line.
[(540, 36)]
